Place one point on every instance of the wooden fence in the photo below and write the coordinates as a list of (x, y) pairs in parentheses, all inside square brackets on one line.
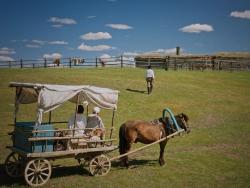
[(168, 62), (121, 61), (196, 63)]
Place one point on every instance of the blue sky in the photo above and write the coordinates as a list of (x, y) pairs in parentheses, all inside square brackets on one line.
[(32, 29)]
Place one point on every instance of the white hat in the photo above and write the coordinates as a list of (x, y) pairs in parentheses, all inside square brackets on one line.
[(96, 110)]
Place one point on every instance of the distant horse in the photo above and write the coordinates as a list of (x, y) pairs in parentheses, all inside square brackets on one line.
[(57, 62), (148, 132)]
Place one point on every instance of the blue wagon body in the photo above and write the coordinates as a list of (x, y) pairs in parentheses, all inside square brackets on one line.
[(23, 131)]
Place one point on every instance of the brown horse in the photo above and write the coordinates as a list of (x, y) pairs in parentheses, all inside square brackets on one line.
[(148, 132)]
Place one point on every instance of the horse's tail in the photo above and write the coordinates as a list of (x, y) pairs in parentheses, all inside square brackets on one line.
[(122, 139)]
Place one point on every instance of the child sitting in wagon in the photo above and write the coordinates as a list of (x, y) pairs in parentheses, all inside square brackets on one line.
[(94, 121)]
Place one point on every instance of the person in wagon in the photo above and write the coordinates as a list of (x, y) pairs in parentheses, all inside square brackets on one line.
[(95, 121), (78, 121)]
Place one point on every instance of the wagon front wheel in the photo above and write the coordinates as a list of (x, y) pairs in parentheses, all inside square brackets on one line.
[(14, 165), (37, 172), (100, 165)]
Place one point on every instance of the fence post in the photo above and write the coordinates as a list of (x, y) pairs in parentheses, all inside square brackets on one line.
[(21, 63), (231, 66), (149, 62), (45, 63), (175, 64), (167, 63), (96, 62), (121, 61), (70, 63)]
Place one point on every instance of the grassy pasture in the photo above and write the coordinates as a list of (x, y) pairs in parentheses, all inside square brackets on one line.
[(215, 154)]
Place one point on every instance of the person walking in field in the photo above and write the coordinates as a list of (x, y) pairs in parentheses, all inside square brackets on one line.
[(150, 76)]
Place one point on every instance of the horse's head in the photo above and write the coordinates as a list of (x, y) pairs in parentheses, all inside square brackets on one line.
[(182, 120)]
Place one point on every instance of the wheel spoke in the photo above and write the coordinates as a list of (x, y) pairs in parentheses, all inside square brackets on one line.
[(95, 162), (16, 172), (33, 164), (96, 171), (105, 165), (10, 162), (44, 169), (44, 174), (100, 160), (41, 178), (38, 164), (32, 173), (32, 178), (36, 180), (14, 157), (31, 169), (42, 165), (13, 170)]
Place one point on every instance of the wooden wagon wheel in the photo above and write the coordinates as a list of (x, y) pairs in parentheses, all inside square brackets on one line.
[(14, 165), (37, 172), (100, 165)]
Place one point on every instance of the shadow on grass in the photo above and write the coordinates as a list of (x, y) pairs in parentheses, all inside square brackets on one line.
[(62, 171), (5, 180), (57, 172), (135, 90), (134, 163)]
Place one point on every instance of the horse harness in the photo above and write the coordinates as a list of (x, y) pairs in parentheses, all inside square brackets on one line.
[(156, 122)]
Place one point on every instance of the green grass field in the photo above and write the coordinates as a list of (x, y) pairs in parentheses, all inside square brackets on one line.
[(215, 154)]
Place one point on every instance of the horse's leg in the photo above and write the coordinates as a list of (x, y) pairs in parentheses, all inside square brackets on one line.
[(162, 148), (125, 158)]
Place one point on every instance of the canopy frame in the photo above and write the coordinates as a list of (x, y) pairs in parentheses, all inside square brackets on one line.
[(48, 97)]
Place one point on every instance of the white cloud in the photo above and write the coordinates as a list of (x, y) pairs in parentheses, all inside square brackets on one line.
[(57, 25), (197, 28), (59, 42), (84, 47), (130, 53), (105, 56), (5, 58), (41, 42), (119, 26), (91, 17), (96, 36), (62, 21), (32, 46), (244, 14), (168, 51), (52, 56), (7, 51)]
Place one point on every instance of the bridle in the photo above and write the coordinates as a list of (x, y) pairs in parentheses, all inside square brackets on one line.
[(184, 122)]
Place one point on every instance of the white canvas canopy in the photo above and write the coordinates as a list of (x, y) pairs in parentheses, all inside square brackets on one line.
[(49, 97)]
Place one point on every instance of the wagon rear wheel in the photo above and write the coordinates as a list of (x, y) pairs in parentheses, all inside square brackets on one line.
[(14, 165), (100, 165), (37, 172)]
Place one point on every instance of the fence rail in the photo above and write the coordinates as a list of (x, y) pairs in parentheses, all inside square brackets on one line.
[(167, 63), (121, 61), (197, 63)]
